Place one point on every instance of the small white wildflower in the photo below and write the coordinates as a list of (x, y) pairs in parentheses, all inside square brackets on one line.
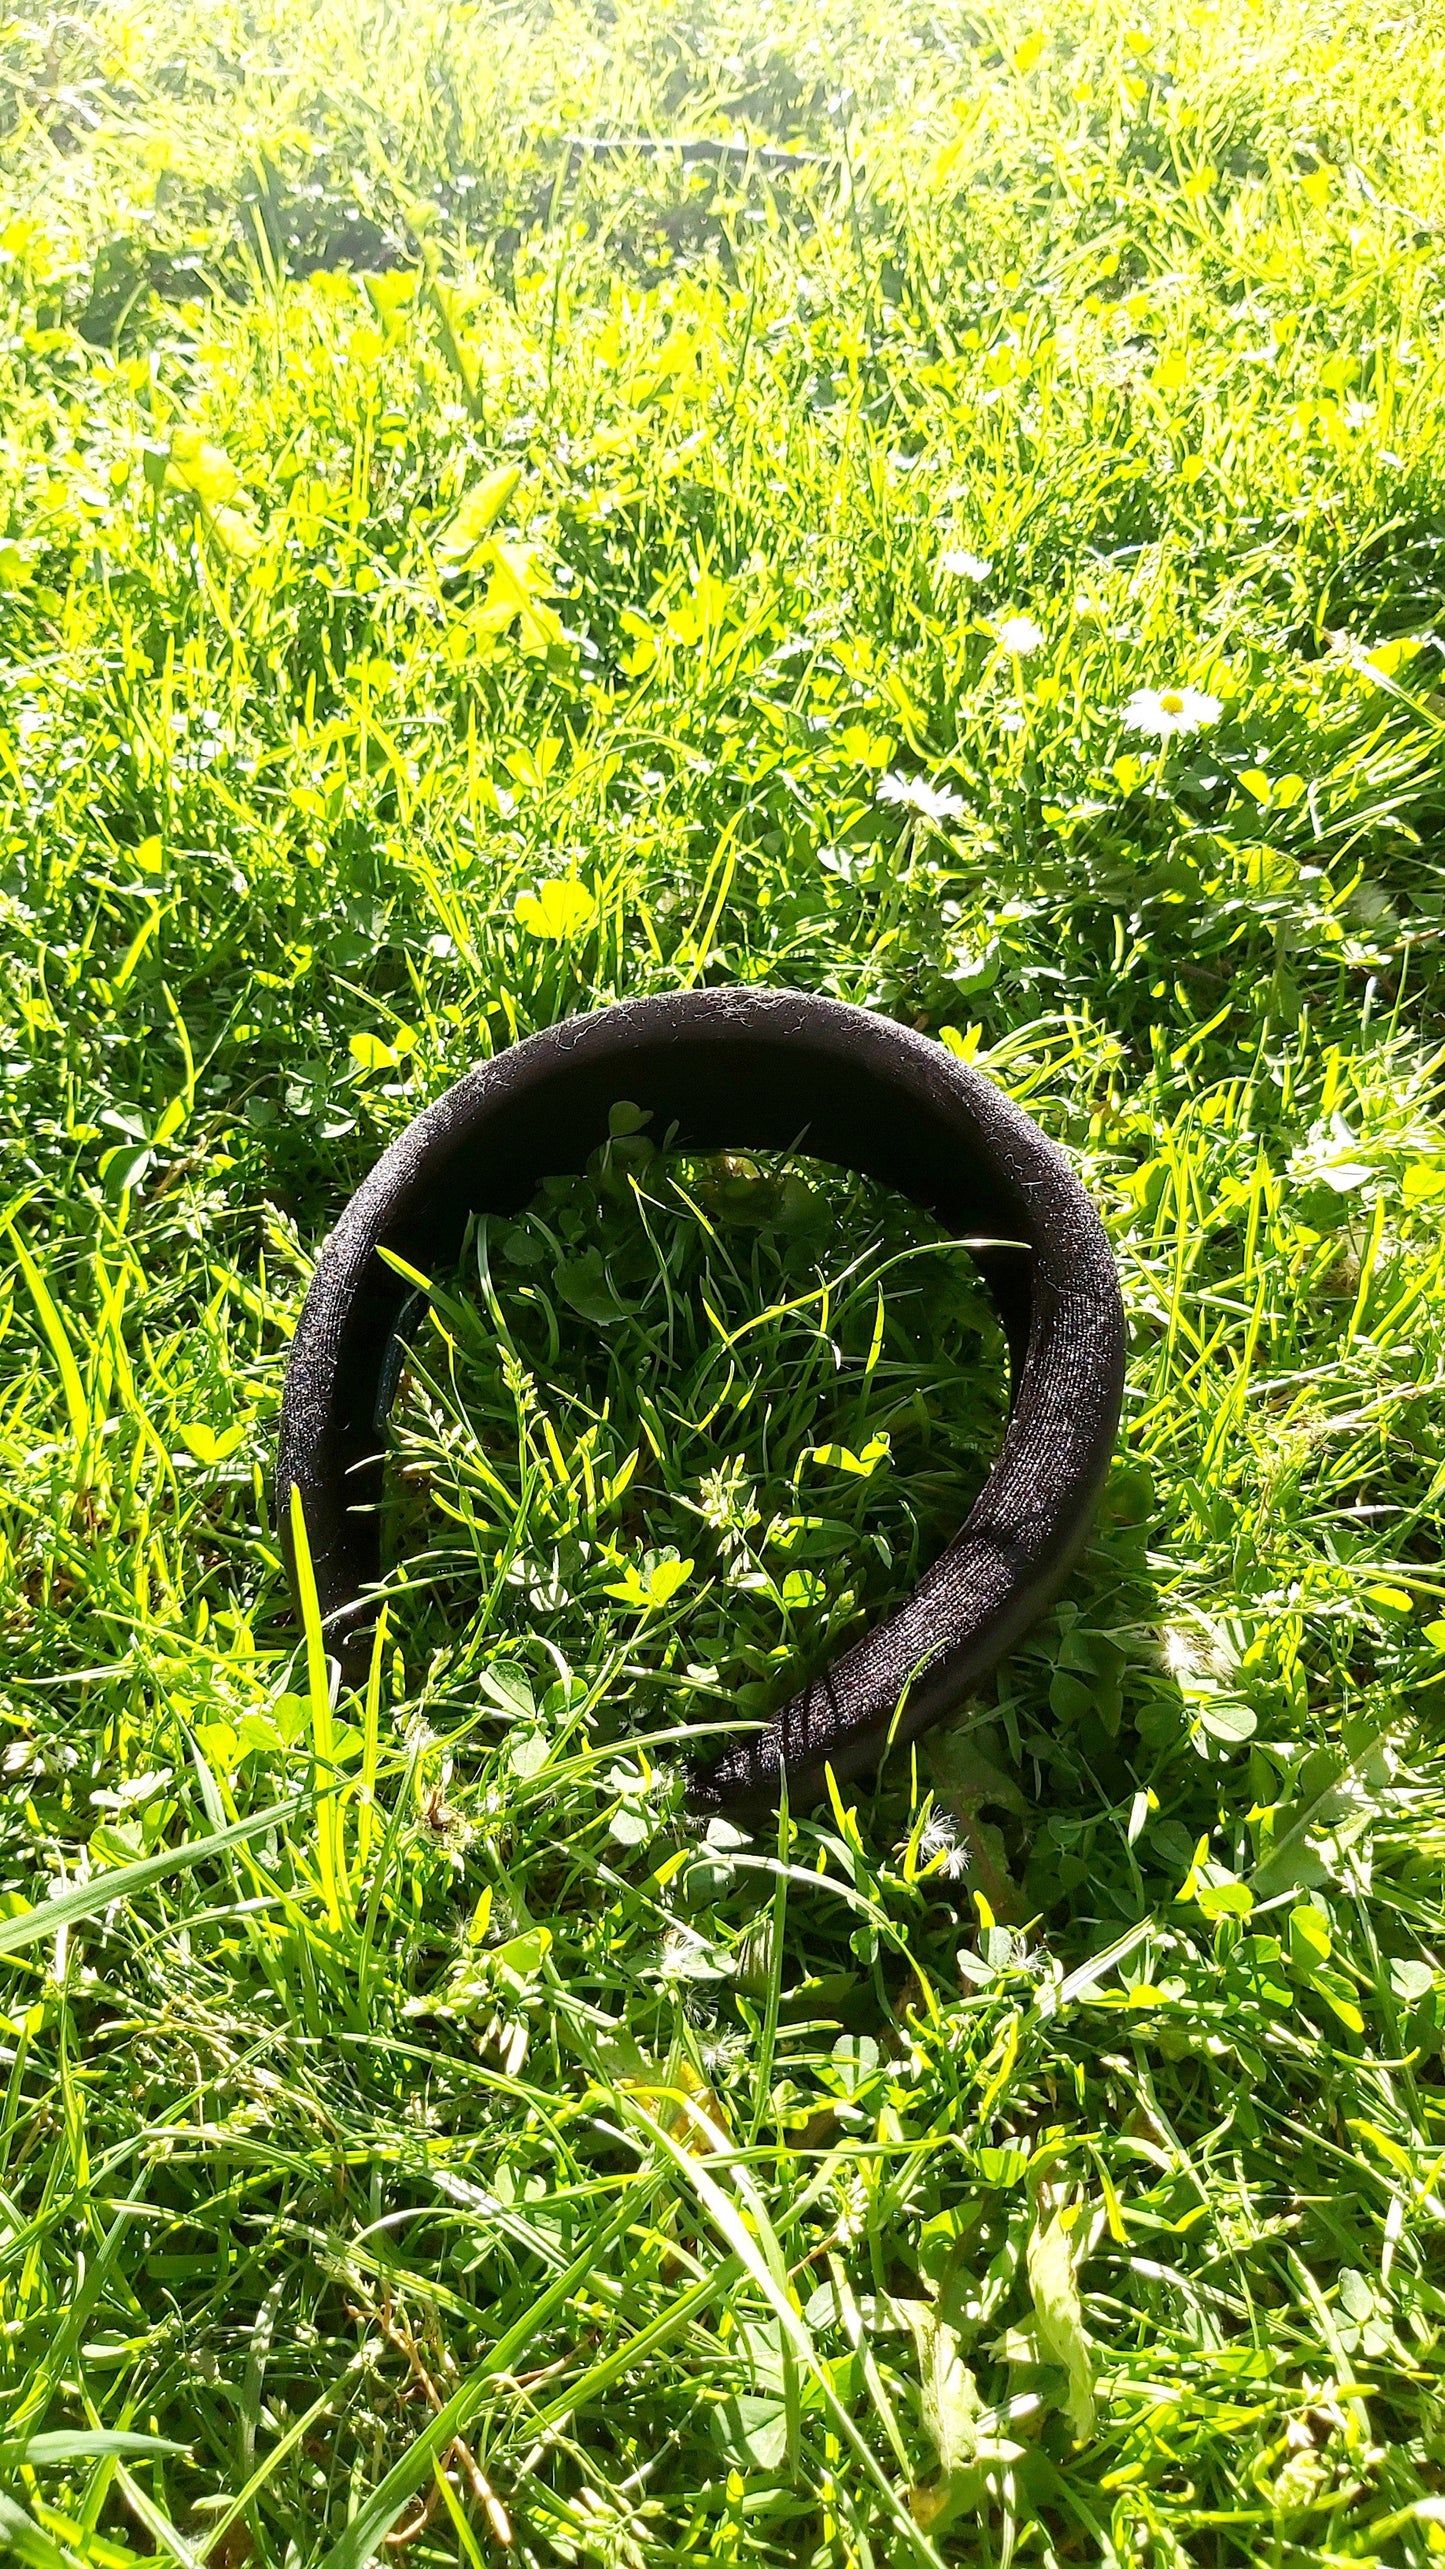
[(726, 1499), (1164, 712), (934, 802), (135, 1788), (1011, 722), (1020, 635), (965, 566)]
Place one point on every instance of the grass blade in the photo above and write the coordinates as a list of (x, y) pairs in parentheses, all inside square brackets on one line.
[(88, 1899), (77, 1407)]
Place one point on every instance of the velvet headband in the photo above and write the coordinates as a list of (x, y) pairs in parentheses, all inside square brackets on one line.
[(749, 1070)]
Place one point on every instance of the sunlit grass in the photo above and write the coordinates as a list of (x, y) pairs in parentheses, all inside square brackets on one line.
[(986, 567)]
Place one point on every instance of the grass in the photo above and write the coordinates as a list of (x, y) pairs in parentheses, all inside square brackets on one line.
[(449, 578)]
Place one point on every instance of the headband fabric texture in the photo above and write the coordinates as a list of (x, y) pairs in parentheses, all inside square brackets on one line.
[(749, 1070)]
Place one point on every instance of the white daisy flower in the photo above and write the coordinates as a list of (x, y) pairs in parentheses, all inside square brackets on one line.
[(934, 802), (1020, 635), (965, 566), (1163, 712)]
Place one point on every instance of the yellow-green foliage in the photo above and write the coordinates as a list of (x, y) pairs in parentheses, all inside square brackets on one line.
[(966, 535)]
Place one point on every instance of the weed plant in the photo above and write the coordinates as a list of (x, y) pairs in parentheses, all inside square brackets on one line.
[(966, 537)]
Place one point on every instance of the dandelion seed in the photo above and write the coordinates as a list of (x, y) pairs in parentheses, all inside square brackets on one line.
[(1020, 635), (965, 566), (939, 1838), (1179, 1653), (933, 802), (1163, 713), (1200, 1651)]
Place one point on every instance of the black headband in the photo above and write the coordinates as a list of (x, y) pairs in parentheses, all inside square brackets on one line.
[(752, 1070)]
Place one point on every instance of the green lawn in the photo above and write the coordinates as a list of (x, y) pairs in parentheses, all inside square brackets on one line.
[(982, 567)]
